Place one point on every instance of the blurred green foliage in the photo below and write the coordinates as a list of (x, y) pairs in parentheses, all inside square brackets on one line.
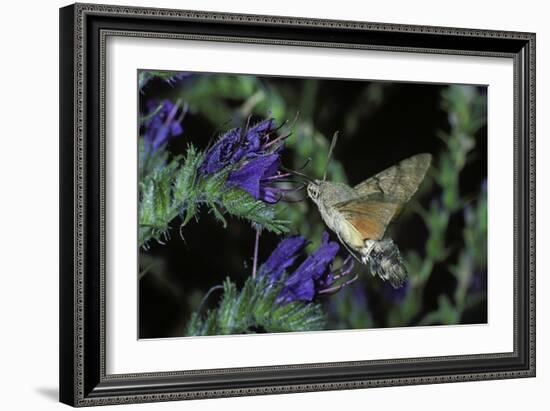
[(227, 101), (466, 111)]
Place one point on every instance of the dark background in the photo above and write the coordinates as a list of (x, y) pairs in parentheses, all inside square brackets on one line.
[(380, 123)]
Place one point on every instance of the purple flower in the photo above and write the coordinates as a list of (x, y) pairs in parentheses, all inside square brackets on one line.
[(257, 177), (162, 123), (312, 277), (254, 157), (236, 145), (283, 257)]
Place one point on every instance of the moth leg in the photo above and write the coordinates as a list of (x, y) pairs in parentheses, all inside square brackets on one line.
[(336, 288), (344, 270), (350, 251), (365, 251)]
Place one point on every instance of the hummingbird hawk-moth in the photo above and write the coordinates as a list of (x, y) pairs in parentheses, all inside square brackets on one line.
[(360, 215)]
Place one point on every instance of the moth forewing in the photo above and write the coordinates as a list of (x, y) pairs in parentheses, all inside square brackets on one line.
[(360, 215), (370, 215), (400, 181)]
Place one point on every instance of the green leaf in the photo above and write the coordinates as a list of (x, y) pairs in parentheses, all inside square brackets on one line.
[(242, 205), (169, 189), (254, 308), (226, 310)]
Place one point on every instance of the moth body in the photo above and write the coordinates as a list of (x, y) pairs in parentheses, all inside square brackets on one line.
[(385, 261), (365, 251), (332, 194), (360, 215)]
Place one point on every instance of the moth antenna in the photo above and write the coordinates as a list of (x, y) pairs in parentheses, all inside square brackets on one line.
[(330, 150)]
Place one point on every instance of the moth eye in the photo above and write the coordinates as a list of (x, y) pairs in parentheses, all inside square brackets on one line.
[(313, 192)]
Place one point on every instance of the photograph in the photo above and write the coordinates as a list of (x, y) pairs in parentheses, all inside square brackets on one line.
[(271, 204), (255, 204)]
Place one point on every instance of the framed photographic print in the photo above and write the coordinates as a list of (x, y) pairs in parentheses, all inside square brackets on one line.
[(261, 204)]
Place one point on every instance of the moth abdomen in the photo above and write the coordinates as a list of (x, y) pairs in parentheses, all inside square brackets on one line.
[(384, 260), (359, 216)]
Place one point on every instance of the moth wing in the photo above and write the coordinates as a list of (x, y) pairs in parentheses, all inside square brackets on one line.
[(369, 215), (400, 181)]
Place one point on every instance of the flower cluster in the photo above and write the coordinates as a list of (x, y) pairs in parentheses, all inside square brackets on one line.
[(312, 277), (254, 154), (162, 123)]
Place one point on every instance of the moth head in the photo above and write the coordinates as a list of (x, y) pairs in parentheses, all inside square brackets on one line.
[(314, 189)]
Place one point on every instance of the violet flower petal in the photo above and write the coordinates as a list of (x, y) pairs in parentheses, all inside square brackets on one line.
[(312, 275), (283, 257), (163, 125), (235, 146), (249, 176)]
